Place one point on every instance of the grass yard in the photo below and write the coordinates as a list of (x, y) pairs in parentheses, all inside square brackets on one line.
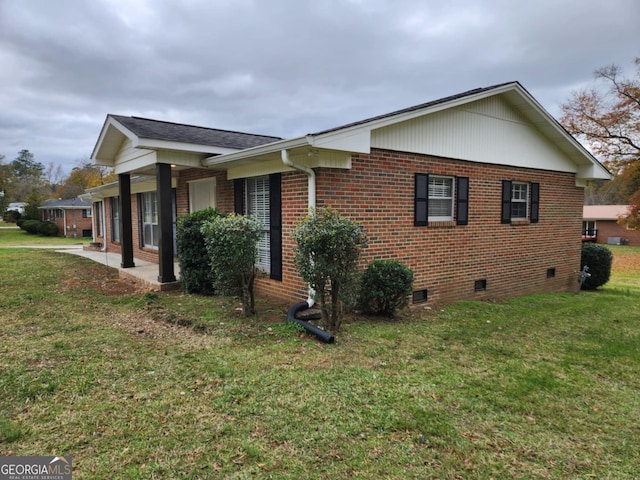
[(142, 386), (12, 235)]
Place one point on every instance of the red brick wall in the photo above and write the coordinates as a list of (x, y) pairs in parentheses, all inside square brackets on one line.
[(224, 189), (610, 228), (73, 217), (446, 259)]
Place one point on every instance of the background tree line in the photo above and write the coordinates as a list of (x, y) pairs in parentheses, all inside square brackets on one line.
[(26, 180), (606, 119)]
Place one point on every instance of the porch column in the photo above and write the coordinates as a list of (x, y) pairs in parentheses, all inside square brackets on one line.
[(126, 229), (165, 223)]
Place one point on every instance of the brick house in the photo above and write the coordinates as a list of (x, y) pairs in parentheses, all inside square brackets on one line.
[(480, 193), (600, 225), (73, 216)]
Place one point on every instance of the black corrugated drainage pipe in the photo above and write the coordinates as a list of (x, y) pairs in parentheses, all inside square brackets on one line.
[(322, 335)]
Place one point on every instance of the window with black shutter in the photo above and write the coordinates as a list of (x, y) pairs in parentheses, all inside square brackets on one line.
[(520, 201)]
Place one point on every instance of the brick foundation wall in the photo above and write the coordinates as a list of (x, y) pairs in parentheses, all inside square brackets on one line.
[(514, 259)]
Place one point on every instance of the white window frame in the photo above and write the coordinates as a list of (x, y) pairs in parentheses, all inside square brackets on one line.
[(519, 196), (442, 195), (202, 194), (150, 225), (115, 219), (257, 201)]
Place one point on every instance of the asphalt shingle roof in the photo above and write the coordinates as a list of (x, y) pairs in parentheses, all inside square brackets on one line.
[(177, 132), (415, 107), (65, 203)]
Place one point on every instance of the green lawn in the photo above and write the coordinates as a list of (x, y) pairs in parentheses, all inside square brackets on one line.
[(12, 235), (138, 386)]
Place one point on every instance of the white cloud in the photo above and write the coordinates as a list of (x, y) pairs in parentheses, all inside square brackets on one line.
[(282, 67)]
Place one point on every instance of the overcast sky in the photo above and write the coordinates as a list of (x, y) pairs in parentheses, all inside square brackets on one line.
[(283, 67)]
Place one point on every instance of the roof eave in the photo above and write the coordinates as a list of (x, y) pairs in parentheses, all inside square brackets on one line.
[(258, 151)]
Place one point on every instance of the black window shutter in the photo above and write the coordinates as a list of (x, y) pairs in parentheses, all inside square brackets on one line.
[(462, 201), (238, 196), (535, 202), (506, 202), (421, 200), (275, 220)]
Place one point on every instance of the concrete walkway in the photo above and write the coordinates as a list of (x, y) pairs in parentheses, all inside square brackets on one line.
[(145, 273)]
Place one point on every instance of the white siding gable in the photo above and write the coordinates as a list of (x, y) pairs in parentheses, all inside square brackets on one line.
[(130, 158), (487, 131)]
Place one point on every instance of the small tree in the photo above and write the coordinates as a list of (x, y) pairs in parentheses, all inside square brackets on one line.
[(232, 245), (327, 253)]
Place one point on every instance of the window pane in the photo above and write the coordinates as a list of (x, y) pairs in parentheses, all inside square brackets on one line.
[(519, 192), (519, 210), (519, 200), (439, 208), (440, 187), (440, 198), (150, 219), (258, 206), (115, 219)]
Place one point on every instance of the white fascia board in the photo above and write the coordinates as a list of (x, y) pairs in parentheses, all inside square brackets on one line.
[(357, 141), (138, 185), (108, 128), (256, 151), (583, 158), (143, 161)]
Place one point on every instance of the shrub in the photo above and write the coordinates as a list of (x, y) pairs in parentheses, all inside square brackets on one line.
[(327, 253), (195, 268), (11, 216), (599, 259), (30, 226), (47, 229), (232, 245), (385, 287), (20, 221)]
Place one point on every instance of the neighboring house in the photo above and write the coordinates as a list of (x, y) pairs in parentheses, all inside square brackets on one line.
[(73, 216), (17, 206), (600, 224), (480, 193)]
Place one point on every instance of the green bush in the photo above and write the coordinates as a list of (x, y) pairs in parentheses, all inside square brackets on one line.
[(599, 259), (20, 221), (232, 245), (30, 226), (327, 250), (47, 229), (11, 216), (385, 287), (195, 269)]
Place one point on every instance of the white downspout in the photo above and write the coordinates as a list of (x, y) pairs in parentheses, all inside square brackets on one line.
[(311, 189), (103, 215)]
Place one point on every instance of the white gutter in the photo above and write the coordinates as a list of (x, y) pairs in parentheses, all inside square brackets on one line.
[(311, 189)]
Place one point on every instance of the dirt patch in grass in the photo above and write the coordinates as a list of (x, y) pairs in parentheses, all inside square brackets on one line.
[(95, 276)]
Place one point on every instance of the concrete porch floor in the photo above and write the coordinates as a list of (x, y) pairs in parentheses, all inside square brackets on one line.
[(144, 273)]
